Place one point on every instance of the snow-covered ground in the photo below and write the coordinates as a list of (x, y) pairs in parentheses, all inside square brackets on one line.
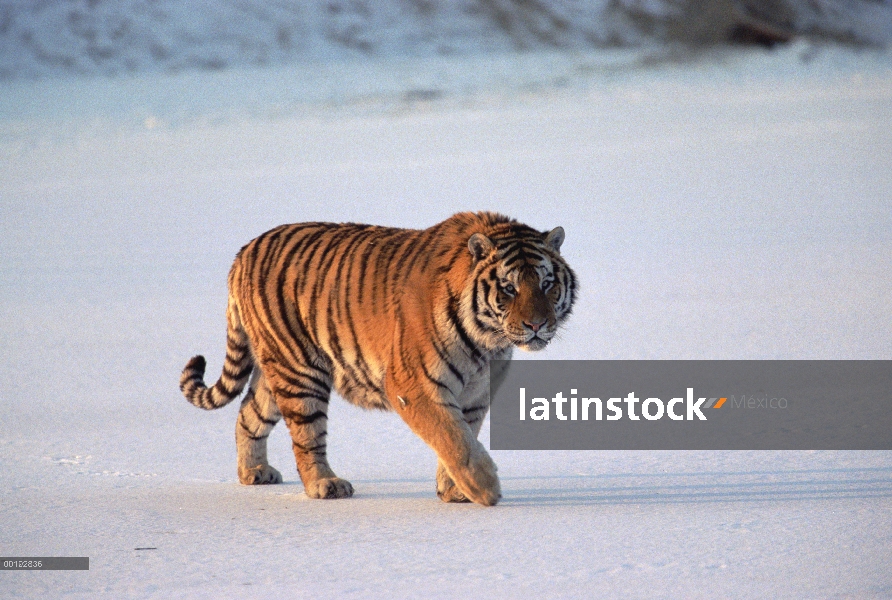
[(738, 206)]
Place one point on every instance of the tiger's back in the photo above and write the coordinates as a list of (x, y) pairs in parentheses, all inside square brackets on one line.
[(391, 319), (321, 294)]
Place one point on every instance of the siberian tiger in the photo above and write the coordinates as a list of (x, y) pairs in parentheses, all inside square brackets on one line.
[(395, 319)]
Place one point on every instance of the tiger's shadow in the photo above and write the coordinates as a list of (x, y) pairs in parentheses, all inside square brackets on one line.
[(665, 488)]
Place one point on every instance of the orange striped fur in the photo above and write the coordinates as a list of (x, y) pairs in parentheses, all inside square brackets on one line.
[(394, 319)]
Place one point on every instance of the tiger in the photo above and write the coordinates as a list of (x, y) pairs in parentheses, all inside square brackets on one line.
[(401, 320)]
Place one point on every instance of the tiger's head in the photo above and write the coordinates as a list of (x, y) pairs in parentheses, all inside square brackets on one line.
[(523, 289)]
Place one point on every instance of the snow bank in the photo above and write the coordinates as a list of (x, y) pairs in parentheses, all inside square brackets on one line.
[(52, 39)]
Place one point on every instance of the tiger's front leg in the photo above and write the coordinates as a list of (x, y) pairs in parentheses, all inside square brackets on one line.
[(447, 491), (302, 396), (469, 475), (474, 403), (439, 421)]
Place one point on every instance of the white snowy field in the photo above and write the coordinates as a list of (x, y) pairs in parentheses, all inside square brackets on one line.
[(739, 206)]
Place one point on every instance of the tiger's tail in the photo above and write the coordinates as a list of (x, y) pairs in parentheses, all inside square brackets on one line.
[(237, 368)]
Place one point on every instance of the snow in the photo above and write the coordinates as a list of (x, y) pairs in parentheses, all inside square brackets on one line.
[(734, 206), (74, 37)]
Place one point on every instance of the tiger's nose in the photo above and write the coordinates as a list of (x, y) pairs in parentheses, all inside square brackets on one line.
[(535, 325)]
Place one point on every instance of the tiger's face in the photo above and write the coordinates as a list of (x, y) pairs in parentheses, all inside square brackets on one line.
[(523, 290)]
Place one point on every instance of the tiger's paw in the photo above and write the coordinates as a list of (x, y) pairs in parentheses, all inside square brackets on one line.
[(451, 494), (446, 490), (477, 481), (328, 488), (259, 475)]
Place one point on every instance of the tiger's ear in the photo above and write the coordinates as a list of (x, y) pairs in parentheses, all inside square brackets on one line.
[(480, 245), (555, 238)]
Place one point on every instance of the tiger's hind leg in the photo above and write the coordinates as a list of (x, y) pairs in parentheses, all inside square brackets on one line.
[(302, 394), (256, 419)]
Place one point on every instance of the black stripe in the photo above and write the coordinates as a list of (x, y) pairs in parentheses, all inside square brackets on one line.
[(333, 244), (486, 328), (417, 249), (338, 304), (273, 331), (236, 346), (373, 237), (383, 263), (238, 375), (319, 271), (305, 395), (224, 390), (487, 296), (395, 267), (250, 434), (317, 449), (433, 379), (258, 414), (513, 257), (475, 303), (299, 336), (291, 379), (299, 419), (457, 254), (440, 347), (362, 367), (309, 247), (452, 316), (274, 245)]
